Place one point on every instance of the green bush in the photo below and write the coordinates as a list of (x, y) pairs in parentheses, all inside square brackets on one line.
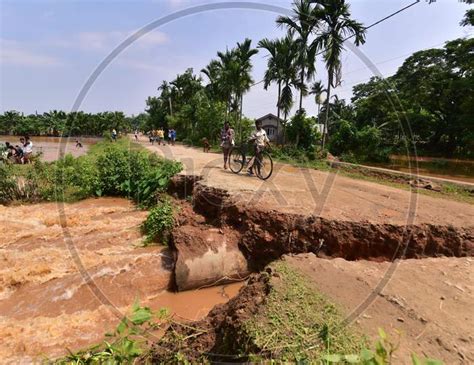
[(302, 131), (8, 184), (109, 169), (159, 223), (358, 145)]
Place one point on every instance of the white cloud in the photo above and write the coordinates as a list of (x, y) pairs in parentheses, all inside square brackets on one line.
[(16, 53)]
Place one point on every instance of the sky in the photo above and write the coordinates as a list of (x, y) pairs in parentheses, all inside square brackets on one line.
[(48, 49)]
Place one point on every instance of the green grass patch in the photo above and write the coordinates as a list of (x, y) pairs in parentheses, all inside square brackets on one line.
[(298, 323)]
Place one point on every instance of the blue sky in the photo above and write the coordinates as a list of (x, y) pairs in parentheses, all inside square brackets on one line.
[(49, 48)]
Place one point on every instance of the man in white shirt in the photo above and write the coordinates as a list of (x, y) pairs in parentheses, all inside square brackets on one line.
[(27, 150), (260, 141)]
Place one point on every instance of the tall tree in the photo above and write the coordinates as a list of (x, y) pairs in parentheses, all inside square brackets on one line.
[(274, 67), (337, 26), (302, 24)]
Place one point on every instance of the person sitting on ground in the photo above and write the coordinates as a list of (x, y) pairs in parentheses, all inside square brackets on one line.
[(206, 145), (227, 141), (10, 149), (19, 153), (260, 141)]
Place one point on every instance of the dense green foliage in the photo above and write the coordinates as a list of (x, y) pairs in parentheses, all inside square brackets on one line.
[(429, 103), (55, 123), (113, 169), (159, 223), (196, 111)]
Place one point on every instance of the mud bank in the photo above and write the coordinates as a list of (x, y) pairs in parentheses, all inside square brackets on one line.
[(219, 335)]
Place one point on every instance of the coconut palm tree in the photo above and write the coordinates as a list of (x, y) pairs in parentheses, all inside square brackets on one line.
[(337, 26), (302, 24)]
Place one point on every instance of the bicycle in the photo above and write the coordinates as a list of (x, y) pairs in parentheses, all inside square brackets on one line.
[(238, 159)]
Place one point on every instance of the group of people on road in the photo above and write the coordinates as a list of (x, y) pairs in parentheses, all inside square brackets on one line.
[(20, 153), (158, 136)]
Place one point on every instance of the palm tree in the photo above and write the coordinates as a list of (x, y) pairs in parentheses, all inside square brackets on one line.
[(274, 67), (303, 24), (213, 73), (317, 89), (244, 53), (289, 76), (338, 27), (227, 77)]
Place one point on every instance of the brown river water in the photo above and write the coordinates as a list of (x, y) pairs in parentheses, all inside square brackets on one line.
[(50, 146), (46, 305)]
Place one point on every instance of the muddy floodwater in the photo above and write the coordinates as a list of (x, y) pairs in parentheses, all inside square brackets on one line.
[(65, 287), (50, 147), (454, 169)]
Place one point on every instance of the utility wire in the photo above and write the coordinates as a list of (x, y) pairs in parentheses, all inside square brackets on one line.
[(366, 28)]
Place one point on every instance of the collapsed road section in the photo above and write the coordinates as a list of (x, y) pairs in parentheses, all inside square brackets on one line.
[(220, 240)]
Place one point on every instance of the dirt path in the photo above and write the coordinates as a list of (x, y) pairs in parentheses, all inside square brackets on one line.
[(328, 195)]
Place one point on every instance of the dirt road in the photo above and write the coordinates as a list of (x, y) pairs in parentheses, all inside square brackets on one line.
[(328, 195), (429, 302)]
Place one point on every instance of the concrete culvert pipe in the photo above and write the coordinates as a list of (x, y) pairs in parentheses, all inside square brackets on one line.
[(207, 256)]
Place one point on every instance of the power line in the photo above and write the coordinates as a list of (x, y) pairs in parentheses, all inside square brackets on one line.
[(366, 28)]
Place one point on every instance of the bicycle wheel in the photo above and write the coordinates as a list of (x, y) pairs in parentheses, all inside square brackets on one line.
[(264, 166), (236, 160)]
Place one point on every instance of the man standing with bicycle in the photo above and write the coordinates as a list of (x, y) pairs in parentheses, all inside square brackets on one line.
[(260, 141)]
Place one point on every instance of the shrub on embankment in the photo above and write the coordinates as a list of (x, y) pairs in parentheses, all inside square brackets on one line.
[(109, 169)]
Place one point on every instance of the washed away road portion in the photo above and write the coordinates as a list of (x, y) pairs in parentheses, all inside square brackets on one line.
[(427, 300)]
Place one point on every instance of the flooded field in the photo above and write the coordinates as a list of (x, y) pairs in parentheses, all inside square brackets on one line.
[(50, 147), (65, 287), (454, 169)]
